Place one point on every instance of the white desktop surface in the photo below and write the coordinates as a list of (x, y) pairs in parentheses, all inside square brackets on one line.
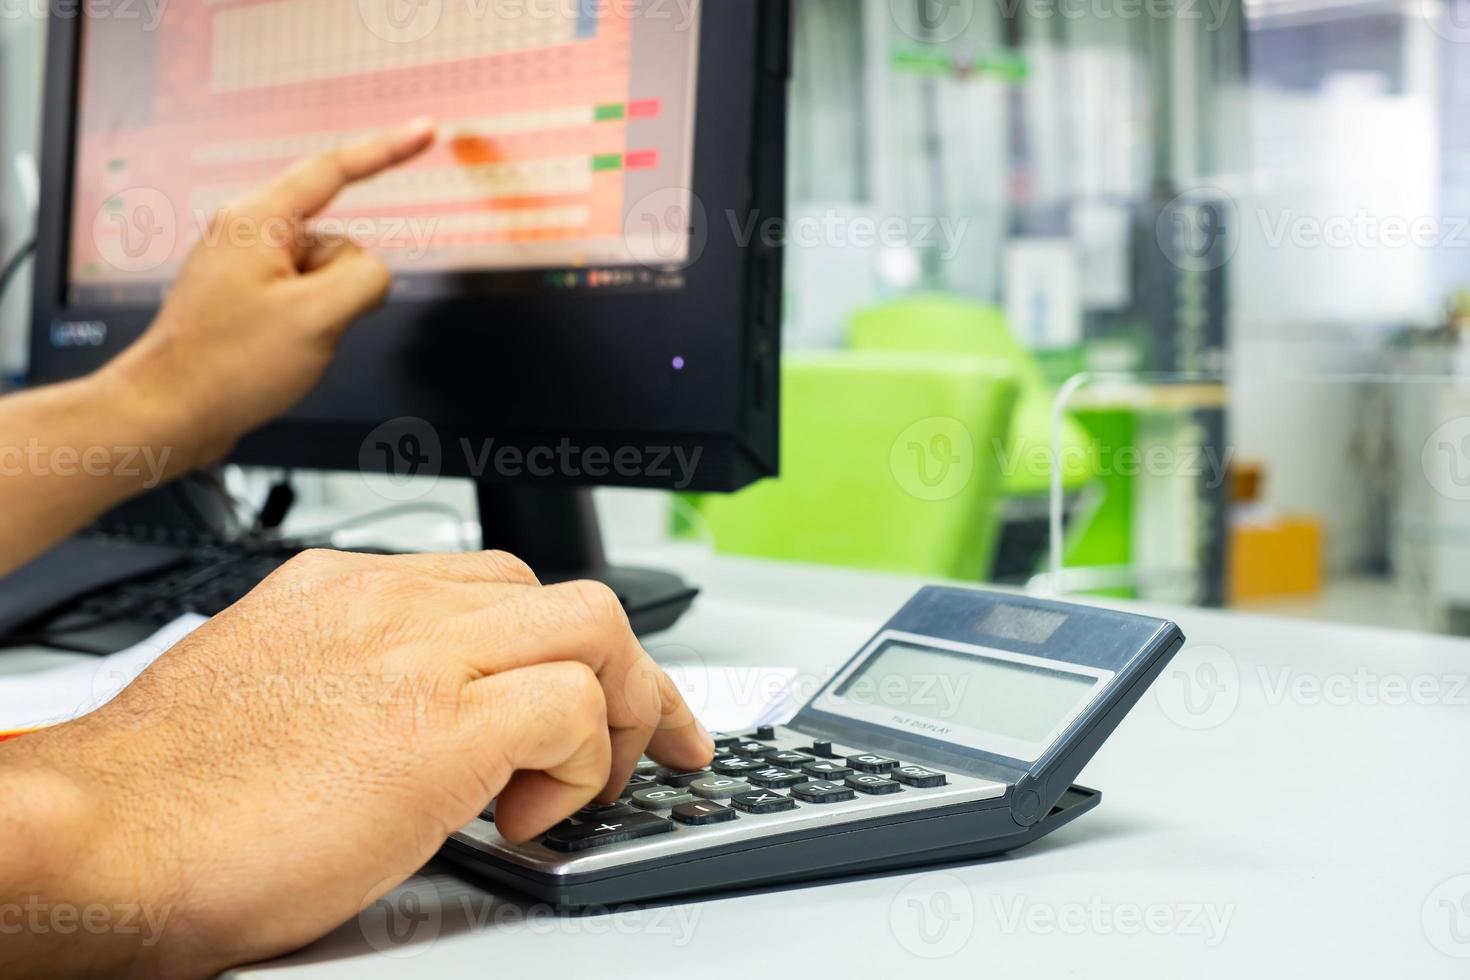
[(1310, 819)]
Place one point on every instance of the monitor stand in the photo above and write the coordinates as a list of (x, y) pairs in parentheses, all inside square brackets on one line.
[(555, 531)]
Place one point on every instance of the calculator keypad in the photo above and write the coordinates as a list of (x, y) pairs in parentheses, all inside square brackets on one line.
[(745, 792)]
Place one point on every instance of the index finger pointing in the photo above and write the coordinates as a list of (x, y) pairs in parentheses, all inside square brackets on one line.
[(308, 186)]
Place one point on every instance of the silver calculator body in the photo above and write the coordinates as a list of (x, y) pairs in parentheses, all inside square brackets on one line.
[(954, 733)]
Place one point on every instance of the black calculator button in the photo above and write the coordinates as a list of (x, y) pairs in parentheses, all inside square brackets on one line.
[(826, 769), (918, 776), (718, 787), (752, 750), (598, 811), (823, 748), (762, 801), (702, 813), (788, 759), (873, 783), (774, 777), (872, 763), (647, 767), (737, 767), (765, 733), (821, 791), (609, 830), (680, 777), (724, 741), (661, 797)]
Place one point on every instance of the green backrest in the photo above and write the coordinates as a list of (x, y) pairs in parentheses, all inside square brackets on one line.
[(948, 323), (888, 461)]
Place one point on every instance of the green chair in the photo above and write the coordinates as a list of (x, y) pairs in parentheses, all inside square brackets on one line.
[(941, 323), (888, 462)]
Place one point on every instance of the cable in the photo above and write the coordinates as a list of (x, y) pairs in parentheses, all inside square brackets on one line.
[(14, 265), (325, 534)]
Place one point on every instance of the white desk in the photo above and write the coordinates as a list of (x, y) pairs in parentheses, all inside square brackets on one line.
[(1277, 827)]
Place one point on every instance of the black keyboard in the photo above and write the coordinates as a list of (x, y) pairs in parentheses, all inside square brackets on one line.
[(210, 576)]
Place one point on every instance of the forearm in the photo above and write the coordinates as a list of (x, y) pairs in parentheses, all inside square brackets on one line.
[(71, 904), (69, 452)]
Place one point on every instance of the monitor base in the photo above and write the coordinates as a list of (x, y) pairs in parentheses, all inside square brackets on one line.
[(555, 531)]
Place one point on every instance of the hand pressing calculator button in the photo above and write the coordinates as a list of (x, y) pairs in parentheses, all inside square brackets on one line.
[(596, 811), (762, 801), (677, 777), (866, 776), (600, 833)]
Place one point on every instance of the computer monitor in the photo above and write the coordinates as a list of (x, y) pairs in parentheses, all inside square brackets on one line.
[(587, 286)]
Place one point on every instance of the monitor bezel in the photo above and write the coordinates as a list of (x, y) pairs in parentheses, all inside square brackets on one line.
[(621, 390)]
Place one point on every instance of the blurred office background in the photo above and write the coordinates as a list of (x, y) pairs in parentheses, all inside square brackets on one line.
[(1212, 259)]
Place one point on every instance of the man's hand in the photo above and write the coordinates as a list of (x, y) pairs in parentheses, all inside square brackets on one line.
[(247, 331), (263, 301), (310, 748)]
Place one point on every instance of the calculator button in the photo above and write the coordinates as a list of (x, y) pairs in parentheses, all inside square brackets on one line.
[(826, 769), (737, 767), (724, 740), (600, 833), (918, 776), (661, 797), (871, 763), (752, 750), (764, 733), (873, 783), (647, 767), (823, 748), (821, 791), (774, 777), (597, 811), (718, 787), (702, 813), (788, 760), (680, 777), (762, 801)]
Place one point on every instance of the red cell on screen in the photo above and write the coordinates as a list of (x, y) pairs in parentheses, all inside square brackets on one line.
[(641, 160), (645, 109)]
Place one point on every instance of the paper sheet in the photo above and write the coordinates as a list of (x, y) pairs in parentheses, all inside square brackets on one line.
[(725, 698), (58, 694)]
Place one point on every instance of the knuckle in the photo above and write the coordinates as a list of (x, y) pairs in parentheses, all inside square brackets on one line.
[(582, 691), (506, 567), (598, 603)]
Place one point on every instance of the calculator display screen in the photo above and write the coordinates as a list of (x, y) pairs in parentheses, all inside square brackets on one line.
[(993, 695)]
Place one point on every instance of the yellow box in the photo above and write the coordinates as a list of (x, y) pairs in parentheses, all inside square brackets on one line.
[(1279, 556)]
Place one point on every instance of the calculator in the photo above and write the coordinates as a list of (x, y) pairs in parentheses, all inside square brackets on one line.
[(955, 733)]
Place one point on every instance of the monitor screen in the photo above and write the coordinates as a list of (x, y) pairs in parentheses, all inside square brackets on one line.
[(559, 119)]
